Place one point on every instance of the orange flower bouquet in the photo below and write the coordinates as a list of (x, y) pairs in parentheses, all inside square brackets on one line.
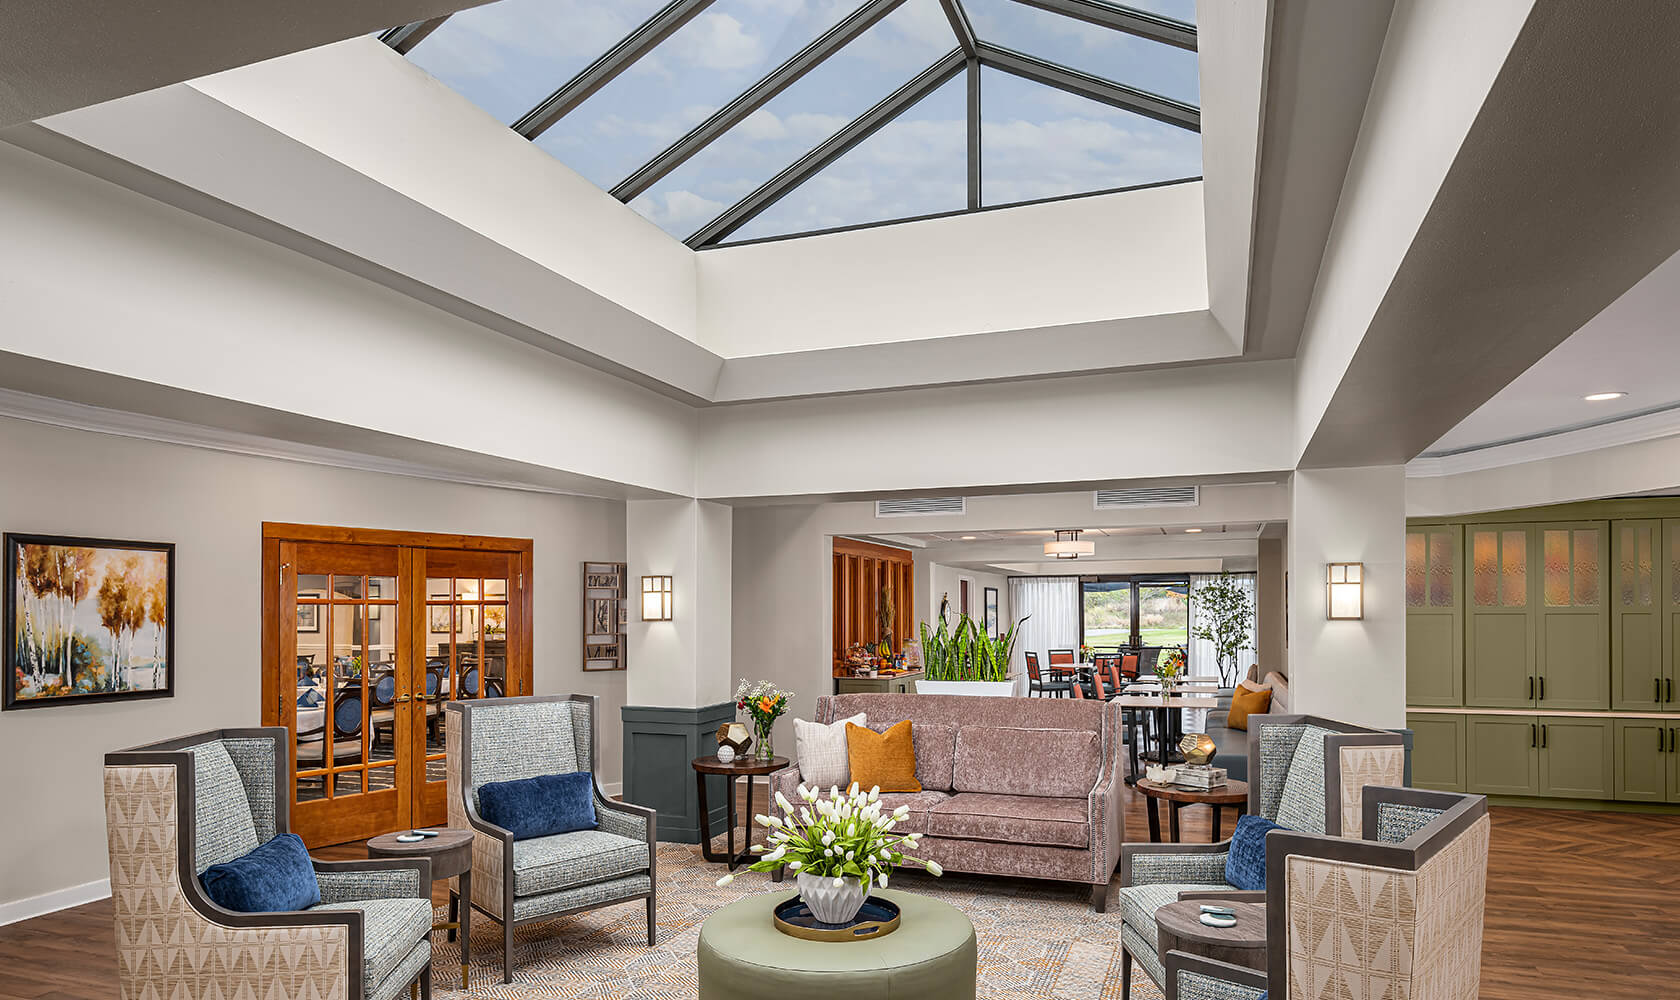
[(764, 703)]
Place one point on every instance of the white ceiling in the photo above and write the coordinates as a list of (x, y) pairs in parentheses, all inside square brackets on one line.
[(1633, 346), (922, 538)]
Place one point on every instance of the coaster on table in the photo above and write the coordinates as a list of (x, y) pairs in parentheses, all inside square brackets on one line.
[(409, 838), (1219, 920)]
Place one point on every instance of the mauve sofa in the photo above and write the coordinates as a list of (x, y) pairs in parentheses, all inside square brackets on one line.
[(1024, 787)]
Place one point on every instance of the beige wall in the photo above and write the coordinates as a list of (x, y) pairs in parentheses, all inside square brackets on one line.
[(212, 505), (1272, 626)]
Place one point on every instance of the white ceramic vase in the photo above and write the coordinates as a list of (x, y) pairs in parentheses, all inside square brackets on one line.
[(830, 903)]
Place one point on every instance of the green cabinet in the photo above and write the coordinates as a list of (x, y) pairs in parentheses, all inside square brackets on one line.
[(1668, 573), (1437, 751), (1643, 760), (1536, 619), (1502, 754), (1434, 616), (1498, 639), (1637, 666), (1577, 757)]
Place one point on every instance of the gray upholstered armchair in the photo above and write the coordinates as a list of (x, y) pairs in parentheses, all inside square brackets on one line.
[(1397, 914), (1306, 773), (520, 881), (175, 808)]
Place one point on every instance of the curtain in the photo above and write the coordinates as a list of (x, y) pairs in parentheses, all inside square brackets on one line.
[(1047, 608), (1203, 660)]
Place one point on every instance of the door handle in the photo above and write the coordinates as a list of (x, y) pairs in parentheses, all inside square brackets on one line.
[(1542, 736), (1661, 746), (402, 699)]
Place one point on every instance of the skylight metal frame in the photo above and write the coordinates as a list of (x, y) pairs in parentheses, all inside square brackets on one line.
[(972, 53), (755, 97), (663, 24)]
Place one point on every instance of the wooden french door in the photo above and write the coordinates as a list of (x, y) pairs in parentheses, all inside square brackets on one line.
[(366, 635)]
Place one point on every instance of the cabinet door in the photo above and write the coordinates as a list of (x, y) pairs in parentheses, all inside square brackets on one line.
[(1636, 617), (1434, 617), (1437, 751), (1571, 622), (1577, 757), (1499, 648), (1668, 573), (1642, 760), (1501, 755), (1674, 763)]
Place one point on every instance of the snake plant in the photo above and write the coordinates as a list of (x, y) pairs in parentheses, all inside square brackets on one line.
[(964, 652)]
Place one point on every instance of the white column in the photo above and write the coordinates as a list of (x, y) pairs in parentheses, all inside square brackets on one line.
[(1351, 671), (684, 662)]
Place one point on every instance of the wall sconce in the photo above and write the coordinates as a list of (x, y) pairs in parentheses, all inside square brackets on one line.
[(1345, 591), (656, 598)]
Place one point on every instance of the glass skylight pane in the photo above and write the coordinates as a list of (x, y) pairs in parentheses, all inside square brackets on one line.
[(843, 86), (699, 69), (1115, 55), (507, 57), (1178, 10), (1040, 142), (913, 166)]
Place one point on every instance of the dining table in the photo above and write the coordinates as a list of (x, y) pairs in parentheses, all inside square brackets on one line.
[(1147, 696)]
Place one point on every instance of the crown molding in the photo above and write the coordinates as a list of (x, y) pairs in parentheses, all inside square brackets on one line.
[(162, 430), (1627, 430)]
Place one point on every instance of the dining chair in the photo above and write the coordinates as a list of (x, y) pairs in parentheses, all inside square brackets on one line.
[(1063, 664), (1061, 657), (383, 716), (1036, 682), (1095, 688), (1147, 655), (469, 684)]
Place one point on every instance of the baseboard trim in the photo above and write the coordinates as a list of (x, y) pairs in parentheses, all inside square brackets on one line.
[(51, 902)]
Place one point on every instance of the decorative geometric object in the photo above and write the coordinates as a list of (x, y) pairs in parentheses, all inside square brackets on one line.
[(1197, 748), (605, 613)]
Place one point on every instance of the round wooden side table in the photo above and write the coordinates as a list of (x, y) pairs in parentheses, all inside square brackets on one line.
[(1232, 793), (1179, 927), (747, 767), (451, 855)]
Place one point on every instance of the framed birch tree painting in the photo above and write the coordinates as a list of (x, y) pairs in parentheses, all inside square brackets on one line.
[(87, 620)]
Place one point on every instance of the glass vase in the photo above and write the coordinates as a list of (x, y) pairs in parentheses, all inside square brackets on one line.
[(762, 747)]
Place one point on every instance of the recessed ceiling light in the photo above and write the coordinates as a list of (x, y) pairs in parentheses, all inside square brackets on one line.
[(968, 538), (1192, 531), (1599, 397)]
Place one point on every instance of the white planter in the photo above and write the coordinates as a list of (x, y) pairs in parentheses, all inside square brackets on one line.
[(830, 903), (993, 689)]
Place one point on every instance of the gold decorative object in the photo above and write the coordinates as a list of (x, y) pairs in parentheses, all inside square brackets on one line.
[(735, 735), (1197, 748)]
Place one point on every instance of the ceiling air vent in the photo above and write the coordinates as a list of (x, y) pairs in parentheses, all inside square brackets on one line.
[(1153, 496), (919, 506)]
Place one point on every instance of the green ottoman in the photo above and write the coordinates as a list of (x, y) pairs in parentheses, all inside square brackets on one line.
[(742, 956)]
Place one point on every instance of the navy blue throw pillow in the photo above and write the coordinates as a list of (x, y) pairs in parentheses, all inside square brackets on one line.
[(1245, 865), (540, 806), (271, 877)]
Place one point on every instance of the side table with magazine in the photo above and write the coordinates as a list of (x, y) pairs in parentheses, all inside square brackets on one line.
[(1231, 793)]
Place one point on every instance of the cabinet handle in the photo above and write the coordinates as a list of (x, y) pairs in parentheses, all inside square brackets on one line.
[(1542, 736), (1532, 743), (1531, 687), (1542, 687)]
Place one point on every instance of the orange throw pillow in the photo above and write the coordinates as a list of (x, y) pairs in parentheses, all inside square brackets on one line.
[(1246, 703), (886, 759)]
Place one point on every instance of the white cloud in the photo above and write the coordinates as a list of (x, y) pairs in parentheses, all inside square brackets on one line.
[(716, 41), (677, 212), (762, 124)]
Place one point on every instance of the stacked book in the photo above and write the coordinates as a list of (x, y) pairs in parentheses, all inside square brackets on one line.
[(1201, 777)]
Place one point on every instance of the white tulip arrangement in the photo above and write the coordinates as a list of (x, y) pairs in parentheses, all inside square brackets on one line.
[(846, 835)]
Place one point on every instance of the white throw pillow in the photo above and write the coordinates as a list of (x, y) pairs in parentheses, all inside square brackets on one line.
[(821, 752)]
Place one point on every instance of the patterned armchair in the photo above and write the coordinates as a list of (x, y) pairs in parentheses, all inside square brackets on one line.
[(175, 808), (1305, 773), (1397, 914), (520, 881)]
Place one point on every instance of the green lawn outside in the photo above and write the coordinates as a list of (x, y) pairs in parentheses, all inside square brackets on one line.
[(1150, 636)]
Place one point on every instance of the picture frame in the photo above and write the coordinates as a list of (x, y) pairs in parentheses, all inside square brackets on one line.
[(991, 606), (601, 581), (602, 617), (308, 618), (439, 620), (110, 603)]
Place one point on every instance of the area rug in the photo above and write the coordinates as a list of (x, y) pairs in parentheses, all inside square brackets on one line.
[(1036, 940)]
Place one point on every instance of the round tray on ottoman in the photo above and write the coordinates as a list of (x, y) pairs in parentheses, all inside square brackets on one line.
[(877, 917), (742, 956)]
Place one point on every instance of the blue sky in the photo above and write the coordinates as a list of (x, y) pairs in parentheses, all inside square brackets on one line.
[(1036, 141)]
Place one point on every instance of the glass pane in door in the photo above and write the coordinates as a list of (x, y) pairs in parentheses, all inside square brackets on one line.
[(1108, 614), (1164, 613)]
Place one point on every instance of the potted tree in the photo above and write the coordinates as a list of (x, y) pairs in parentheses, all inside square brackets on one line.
[(1225, 617), (963, 659)]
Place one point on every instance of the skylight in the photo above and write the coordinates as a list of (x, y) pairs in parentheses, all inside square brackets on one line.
[(730, 120)]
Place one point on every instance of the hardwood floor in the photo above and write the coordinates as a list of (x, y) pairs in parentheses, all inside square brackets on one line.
[(1580, 905)]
